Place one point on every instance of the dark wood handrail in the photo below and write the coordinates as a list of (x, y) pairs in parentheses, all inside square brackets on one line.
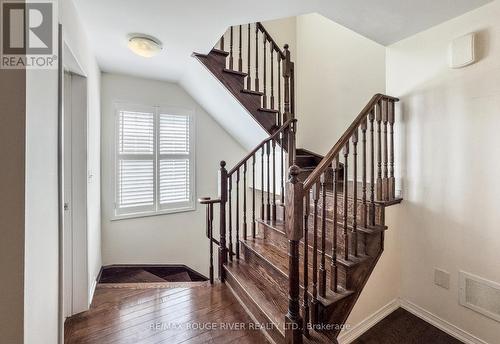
[(259, 146), (314, 177), (270, 39), (208, 200)]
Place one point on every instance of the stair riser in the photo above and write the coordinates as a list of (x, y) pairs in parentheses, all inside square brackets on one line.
[(360, 214), (256, 312), (255, 259), (219, 59), (349, 277), (305, 160), (372, 240), (331, 313)]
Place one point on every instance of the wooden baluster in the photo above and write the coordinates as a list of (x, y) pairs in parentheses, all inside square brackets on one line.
[(210, 210), (286, 83), (249, 77), (282, 135), (211, 267), (272, 77), (280, 119), (230, 215), (257, 57), (245, 201), (385, 181), (314, 301), (355, 192), (231, 48), (305, 296), (334, 268), (392, 180), (264, 98), (240, 59), (222, 42), (371, 212), (268, 205), (287, 75), (222, 219), (363, 189), (237, 215), (262, 204), (322, 269), (294, 222), (379, 151), (273, 206), (346, 200), (253, 197)]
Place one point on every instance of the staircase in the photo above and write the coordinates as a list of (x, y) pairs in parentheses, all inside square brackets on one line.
[(299, 234)]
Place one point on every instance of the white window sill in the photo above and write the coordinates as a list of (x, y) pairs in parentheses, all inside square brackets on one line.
[(152, 213)]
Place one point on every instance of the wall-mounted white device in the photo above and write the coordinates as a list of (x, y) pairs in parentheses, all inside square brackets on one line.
[(462, 51)]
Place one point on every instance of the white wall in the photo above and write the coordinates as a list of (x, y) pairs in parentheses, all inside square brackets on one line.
[(337, 72), (164, 239), (450, 217), (41, 227)]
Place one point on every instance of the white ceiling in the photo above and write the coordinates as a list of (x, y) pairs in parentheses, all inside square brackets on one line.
[(195, 25)]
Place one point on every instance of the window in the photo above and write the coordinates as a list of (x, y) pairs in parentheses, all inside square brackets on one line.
[(154, 161)]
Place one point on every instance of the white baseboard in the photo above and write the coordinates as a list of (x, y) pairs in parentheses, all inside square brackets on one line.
[(92, 292), (441, 324), (356, 331), (348, 336)]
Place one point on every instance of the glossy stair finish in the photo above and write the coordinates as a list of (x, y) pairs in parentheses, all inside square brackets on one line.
[(259, 279)]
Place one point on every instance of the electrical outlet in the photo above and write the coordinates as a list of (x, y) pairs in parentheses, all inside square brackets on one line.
[(442, 278)]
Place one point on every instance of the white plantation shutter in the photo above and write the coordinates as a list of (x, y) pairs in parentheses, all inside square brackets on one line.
[(174, 181), (154, 172), (174, 169), (174, 134)]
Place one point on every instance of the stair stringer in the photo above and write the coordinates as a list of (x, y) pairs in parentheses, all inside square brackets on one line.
[(224, 108), (341, 313)]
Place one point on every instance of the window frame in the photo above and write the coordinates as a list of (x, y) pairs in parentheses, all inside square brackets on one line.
[(158, 209)]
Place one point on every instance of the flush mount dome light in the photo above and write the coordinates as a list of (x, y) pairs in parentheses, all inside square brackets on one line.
[(144, 45)]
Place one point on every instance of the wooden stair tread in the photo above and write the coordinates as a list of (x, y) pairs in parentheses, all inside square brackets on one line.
[(232, 71), (257, 93), (350, 194), (268, 110), (262, 289), (278, 258), (220, 52), (351, 262)]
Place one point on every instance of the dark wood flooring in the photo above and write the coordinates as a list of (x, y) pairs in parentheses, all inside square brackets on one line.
[(199, 314), (402, 327), (203, 314)]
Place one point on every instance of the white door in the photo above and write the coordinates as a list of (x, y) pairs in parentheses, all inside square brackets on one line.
[(74, 183)]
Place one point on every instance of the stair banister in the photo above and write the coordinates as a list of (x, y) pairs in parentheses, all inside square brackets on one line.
[(327, 160), (329, 194)]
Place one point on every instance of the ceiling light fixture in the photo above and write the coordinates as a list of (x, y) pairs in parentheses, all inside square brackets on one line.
[(144, 45)]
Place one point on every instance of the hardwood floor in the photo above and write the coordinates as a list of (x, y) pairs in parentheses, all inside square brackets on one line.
[(164, 315), (402, 327)]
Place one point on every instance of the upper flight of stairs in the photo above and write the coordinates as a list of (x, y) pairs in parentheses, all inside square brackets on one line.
[(215, 61), (298, 250)]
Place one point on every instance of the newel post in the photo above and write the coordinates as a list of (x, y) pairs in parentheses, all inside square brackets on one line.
[(293, 226), (223, 201)]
